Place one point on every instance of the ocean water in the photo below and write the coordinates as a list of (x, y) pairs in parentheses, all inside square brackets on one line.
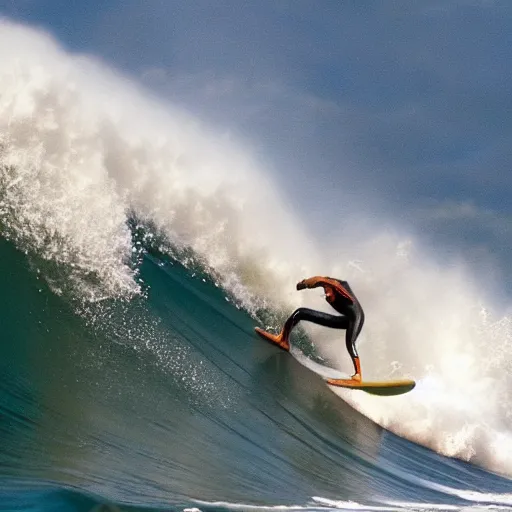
[(138, 250)]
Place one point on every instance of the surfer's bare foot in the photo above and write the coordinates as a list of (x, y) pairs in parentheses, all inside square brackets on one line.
[(357, 368), (283, 343), (278, 339)]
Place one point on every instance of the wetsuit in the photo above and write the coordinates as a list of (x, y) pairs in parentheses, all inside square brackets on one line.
[(345, 302)]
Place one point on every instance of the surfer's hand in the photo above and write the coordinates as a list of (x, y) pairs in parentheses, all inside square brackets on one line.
[(301, 285)]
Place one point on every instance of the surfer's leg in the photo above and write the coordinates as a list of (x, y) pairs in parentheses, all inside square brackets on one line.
[(350, 342), (310, 315), (355, 321), (316, 317), (356, 324)]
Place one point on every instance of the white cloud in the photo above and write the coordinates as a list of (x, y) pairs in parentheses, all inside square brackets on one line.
[(485, 219)]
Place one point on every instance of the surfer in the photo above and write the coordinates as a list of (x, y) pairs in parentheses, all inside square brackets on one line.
[(341, 297)]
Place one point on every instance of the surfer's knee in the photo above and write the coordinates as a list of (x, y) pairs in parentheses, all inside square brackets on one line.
[(300, 312), (292, 321)]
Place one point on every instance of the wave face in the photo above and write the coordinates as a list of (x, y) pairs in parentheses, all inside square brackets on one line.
[(170, 402), (138, 247)]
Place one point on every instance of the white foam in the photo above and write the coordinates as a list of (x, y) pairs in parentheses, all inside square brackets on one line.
[(81, 147), (430, 325), (349, 505), (246, 506)]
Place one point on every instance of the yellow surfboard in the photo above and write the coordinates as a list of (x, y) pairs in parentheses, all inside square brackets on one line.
[(381, 388)]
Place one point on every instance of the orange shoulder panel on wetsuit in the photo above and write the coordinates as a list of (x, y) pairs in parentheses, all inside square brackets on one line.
[(313, 282)]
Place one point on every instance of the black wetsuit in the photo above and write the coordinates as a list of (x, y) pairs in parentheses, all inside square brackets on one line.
[(351, 319)]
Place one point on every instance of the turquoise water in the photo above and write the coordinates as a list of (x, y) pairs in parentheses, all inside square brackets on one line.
[(171, 401)]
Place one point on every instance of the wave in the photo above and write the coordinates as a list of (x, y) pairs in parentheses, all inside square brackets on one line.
[(84, 151), (81, 148)]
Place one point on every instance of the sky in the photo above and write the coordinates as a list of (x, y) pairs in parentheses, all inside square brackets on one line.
[(403, 107)]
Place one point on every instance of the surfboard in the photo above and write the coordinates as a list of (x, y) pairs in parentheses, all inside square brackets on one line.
[(380, 388)]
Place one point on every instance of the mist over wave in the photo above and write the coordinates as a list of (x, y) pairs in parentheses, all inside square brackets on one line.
[(82, 151), (81, 148)]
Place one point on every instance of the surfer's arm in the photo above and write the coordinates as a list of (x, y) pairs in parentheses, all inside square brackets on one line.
[(314, 282)]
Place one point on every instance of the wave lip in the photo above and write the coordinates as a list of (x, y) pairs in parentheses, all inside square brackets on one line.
[(77, 160)]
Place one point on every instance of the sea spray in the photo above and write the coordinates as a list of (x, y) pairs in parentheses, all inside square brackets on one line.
[(76, 160)]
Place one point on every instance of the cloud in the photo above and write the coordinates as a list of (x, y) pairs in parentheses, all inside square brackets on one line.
[(464, 231), (465, 217)]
